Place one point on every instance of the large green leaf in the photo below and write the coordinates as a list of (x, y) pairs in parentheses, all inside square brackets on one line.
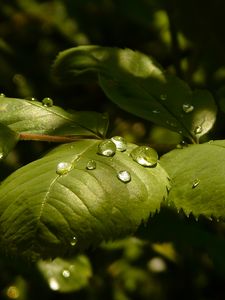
[(40, 118), (197, 173), (139, 85), (8, 140), (66, 275), (64, 202)]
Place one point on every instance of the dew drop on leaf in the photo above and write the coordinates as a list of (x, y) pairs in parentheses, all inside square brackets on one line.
[(47, 102), (91, 165), (198, 129), (107, 148), (31, 98), (187, 108), (120, 142), (124, 176), (66, 273), (156, 111), (195, 183), (53, 283), (2, 95), (145, 156), (73, 241), (63, 168), (163, 97)]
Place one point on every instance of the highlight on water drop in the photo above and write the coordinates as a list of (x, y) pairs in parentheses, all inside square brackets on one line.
[(145, 156), (124, 176), (187, 108), (120, 142), (47, 102), (107, 148), (63, 168), (91, 165)]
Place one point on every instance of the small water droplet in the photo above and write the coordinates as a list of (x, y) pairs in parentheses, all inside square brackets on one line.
[(66, 273), (120, 142), (1, 155), (2, 95), (91, 165), (63, 168), (181, 145), (124, 176), (107, 148), (73, 241), (156, 111), (195, 183), (163, 97), (145, 156), (53, 283), (171, 124), (198, 129), (187, 108), (47, 102)]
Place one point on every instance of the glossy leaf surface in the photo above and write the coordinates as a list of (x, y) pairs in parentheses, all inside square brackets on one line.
[(57, 204), (137, 84), (37, 118), (197, 173)]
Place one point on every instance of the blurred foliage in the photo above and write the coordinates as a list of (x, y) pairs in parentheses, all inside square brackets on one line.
[(187, 38)]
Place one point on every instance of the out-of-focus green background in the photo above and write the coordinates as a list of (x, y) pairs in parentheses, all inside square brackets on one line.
[(187, 38)]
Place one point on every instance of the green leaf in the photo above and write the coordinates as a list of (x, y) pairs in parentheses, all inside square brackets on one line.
[(197, 174), (137, 84), (8, 140), (55, 205), (66, 275), (34, 117)]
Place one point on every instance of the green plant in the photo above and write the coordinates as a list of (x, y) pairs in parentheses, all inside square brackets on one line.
[(94, 188)]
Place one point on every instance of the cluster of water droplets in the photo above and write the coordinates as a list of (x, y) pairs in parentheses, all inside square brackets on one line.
[(143, 155)]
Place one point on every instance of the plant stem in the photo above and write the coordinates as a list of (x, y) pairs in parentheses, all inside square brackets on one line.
[(51, 138)]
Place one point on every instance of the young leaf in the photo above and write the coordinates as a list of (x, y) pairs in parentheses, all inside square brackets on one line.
[(137, 84), (197, 174), (75, 197), (66, 275), (39, 118), (8, 140)]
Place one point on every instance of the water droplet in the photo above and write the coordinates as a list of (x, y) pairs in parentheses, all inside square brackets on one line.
[(107, 148), (187, 108), (120, 142), (73, 241), (66, 273), (53, 283), (171, 124), (47, 102), (163, 97), (124, 176), (145, 156), (2, 95), (1, 155), (198, 129), (63, 168), (181, 145), (91, 165), (195, 183), (156, 111)]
